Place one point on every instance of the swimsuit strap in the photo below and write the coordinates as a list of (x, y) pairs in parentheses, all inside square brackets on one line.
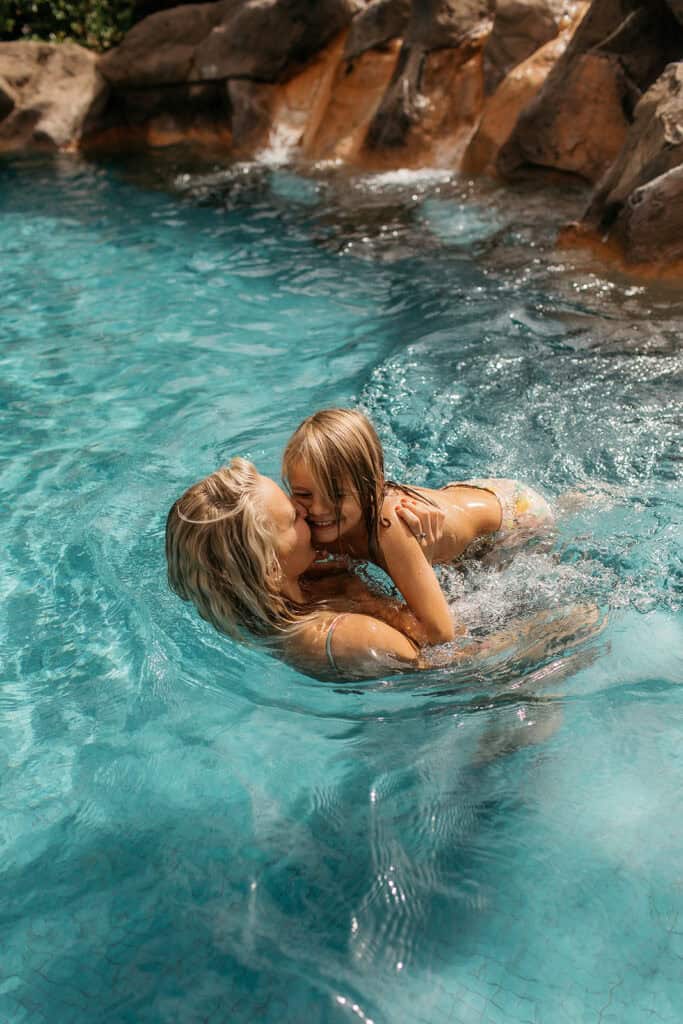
[(328, 641), (504, 500)]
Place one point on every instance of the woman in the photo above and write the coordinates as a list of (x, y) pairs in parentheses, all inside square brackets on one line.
[(240, 550)]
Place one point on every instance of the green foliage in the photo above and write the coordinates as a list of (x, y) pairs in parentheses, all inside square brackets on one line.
[(98, 24)]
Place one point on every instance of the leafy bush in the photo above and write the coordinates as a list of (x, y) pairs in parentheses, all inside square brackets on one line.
[(98, 24)]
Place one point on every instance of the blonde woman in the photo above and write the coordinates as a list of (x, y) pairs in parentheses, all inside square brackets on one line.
[(240, 550)]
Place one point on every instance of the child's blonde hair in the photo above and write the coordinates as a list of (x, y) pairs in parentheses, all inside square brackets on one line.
[(221, 555), (341, 450)]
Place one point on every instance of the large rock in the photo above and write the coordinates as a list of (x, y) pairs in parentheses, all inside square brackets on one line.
[(377, 25), (580, 118), (268, 40), (264, 40), (520, 27), (653, 147), (49, 93), (649, 227), (639, 202), (502, 109), (587, 127), (439, 24), (434, 25), (161, 49)]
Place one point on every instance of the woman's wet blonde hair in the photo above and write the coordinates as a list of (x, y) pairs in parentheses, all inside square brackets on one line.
[(221, 555)]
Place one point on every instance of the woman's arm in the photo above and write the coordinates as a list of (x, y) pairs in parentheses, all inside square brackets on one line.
[(413, 575), (363, 647), (359, 647)]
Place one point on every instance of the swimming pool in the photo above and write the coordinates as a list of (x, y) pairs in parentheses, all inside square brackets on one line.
[(192, 831)]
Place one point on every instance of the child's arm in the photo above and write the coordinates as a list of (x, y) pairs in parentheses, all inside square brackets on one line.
[(415, 578)]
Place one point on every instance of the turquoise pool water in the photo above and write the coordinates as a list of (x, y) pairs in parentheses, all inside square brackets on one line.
[(192, 831)]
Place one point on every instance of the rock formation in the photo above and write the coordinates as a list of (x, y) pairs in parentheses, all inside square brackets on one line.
[(372, 83), (502, 87), (513, 95), (639, 202), (579, 120), (520, 27), (49, 95)]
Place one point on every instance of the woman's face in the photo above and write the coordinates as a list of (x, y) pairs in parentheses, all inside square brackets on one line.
[(292, 535), (327, 523)]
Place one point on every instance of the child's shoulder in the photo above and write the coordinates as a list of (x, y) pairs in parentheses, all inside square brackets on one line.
[(392, 529)]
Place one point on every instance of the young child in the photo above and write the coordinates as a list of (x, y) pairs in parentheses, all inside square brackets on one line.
[(334, 467)]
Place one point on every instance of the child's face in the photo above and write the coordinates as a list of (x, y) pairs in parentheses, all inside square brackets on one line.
[(327, 523)]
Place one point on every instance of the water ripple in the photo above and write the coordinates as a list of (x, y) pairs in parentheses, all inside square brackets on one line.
[(194, 830)]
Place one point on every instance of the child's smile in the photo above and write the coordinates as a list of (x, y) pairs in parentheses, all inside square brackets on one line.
[(327, 522)]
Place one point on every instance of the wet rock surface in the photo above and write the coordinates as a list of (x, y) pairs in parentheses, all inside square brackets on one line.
[(376, 25), (650, 224), (640, 199), (434, 25), (501, 110), (520, 27), (161, 50), (501, 87), (580, 118), (653, 147), (49, 94)]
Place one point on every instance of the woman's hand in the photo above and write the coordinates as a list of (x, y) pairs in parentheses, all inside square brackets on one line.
[(425, 522)]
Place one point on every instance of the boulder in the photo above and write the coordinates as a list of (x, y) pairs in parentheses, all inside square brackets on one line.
[(520, 27), (580, 117), (649, 227), (440, 24), (587, 127), (52, 92), (264, 40), (8, 99), (502, 109), (461, 27), (270, 40), (377, 25), (653, 147), (161, 49)]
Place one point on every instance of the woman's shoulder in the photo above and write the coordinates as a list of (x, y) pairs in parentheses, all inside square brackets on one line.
[(334, 644), (305, 647)]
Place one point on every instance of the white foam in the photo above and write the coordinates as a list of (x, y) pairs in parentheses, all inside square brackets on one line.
[(403, 178), (282, 143)]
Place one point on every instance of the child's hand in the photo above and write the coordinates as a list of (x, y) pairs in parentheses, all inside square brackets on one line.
[(425, 522)]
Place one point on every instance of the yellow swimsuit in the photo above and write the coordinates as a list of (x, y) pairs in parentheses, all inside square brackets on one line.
[(522, 508)]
